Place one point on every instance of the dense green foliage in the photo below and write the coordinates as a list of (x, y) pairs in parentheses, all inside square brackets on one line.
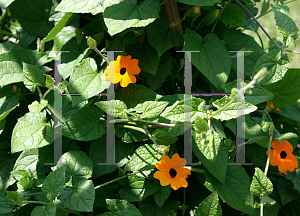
[(150, 118)]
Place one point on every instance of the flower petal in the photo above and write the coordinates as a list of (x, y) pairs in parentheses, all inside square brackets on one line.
[(132, 78), (177, 183), (183, 173), (125, 80), (277, 145), (178, 162), (133, 67), (274, 160), (163, 177), (288, 148), (164, 164), (123, 60)]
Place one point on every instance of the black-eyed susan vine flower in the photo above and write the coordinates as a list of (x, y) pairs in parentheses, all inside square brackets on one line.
[(122, 70), (281, 156), (172, 172)]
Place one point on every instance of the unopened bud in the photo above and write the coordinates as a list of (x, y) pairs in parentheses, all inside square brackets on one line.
[(211, 16), (92, 43), (260, 75)]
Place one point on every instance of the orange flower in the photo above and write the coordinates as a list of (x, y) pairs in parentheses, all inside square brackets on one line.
[(281, 156), (122, 70), (272, 107), (172, 171)]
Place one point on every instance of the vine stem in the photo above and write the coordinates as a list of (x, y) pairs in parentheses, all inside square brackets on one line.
[(258, 24), (272, 9), (152, 124), (39, 91), (117, 179), (220, 110), (45, 203)]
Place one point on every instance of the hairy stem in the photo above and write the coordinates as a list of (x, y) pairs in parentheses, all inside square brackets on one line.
[(117, 179)]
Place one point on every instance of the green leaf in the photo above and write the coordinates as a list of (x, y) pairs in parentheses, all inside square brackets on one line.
[(14, 198), (97, 154), (235, 191), (259, 94), (163, 138), (292, 112), (115, 108), (54, 183), (37, 106), (149, 208), (5, 3), (81, 6), (80, 197), (4, 206), (208, 146), (65, 35), (294, 177), (67, 69), (236, 40), (285, 136), (122, 208), (162, 194), (277, 68), (287, 90), (233, 15), (256, 154), (200, 124), (135, 94), (31, 131), (129, 135), (86, 81), (133, 14), (33, 77), (58, 27), (144, 158), (261, 184), (151, 109), (44, 211), (50, 82), (213, 60), (176, 111), (27, 161), (148, 60), (33, 15), (210, 206), (160, 38), (136, 189), (230, 112), (286, 191), (219, 168), (8, 100), (83, 124), (11, 68), (80, 166), (2, 124), (162, 72), (200, 2), (286, 25)]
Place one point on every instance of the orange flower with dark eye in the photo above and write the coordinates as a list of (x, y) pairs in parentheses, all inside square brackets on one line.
[(281, 156), (122, 70), (272, 106), (172, 171)]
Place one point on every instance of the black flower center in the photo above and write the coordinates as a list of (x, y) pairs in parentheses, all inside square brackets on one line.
[(172, 173), (123, 71), (283, 154)]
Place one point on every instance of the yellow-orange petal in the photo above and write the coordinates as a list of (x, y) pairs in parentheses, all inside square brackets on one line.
[(277, 145), (126, 79), (133, 67), (163, 177), (123, 60), (287, 147), (164, 164), (274, 160), (178, 162), (132, 78), (177, 183), (183, 173)]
